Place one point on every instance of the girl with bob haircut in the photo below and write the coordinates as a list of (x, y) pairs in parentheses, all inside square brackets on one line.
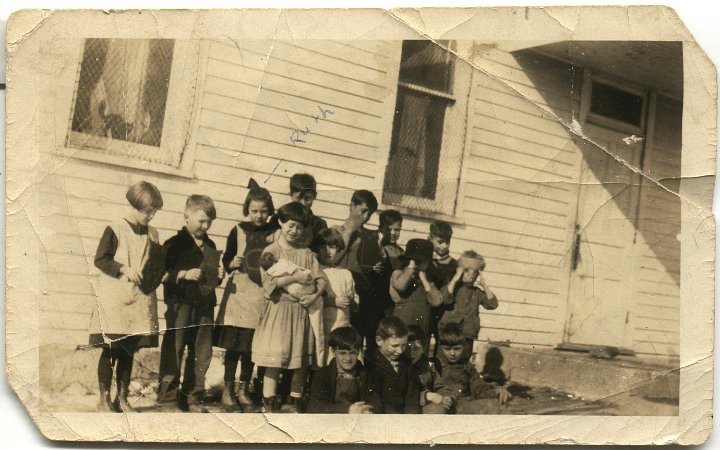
[(125, 316)]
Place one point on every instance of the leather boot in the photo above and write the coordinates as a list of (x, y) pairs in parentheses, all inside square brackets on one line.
[(227, 400), (271, 404), (242, 395), (105, 403), (121, 402)]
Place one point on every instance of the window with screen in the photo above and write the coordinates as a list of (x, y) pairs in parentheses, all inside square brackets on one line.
[(615, 105), (422, 172), (122, 99)]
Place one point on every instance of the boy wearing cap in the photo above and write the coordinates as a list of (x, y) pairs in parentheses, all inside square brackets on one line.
[(468, 292), (410, 289)]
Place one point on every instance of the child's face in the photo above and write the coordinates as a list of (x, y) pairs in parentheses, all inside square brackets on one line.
[(361, 209), (453, 353), (306, 198), (441, 246), (417, 349), (346, 359), (391, 233), (292, 230), (470, 275), (258, 212), (392, 347), (144, 216), (326, 255), (197, 222)]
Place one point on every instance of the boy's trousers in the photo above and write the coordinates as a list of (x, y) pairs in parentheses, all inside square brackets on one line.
[(468, 405), (186, 326)]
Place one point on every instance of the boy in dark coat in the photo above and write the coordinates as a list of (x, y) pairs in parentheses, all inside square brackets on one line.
[(341, 386), (190, 285), (392, 380), (471, 394)]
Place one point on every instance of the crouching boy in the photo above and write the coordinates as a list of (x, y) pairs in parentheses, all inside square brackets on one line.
[(341, 386), (392, 381), (470, 393)]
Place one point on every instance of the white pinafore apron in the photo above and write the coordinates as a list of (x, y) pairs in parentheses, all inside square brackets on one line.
[(121, 308)]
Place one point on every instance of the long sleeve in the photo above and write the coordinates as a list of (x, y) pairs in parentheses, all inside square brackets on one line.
[(321, 401), (479, 388), (434, 297), (471, 316), (105, 254), (488, 301), (230, 249), (412, 395)]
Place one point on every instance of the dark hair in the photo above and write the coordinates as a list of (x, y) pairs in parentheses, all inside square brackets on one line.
[(143, 195), (294, 211), (441, 229), (391, 326), (329, 237), (389, 217), (267, 260), (367, 197), (416, 334), (201, 202), (452, 334), (302, 182), (345, 338), (258, 194)]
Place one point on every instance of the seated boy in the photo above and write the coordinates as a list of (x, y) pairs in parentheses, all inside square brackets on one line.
[(392, 384), (467, 296), (434, 396), (470, 393), (341, 386)]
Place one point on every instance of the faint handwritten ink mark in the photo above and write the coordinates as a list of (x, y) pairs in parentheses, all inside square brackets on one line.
[(297, 134)]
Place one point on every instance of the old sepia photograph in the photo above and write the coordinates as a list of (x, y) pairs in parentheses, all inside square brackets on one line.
[(256, 227)]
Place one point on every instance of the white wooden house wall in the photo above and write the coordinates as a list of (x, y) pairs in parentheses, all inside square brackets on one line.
[(517, 204)]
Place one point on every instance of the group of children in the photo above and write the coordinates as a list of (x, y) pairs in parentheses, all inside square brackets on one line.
[(303, 302)]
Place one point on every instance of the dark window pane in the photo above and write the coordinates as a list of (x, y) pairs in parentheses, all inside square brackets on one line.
[(427, 64), (415, 149), (614, 103)]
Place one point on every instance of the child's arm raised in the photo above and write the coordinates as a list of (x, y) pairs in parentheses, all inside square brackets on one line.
[(490, 300), (434, 297), (400, 279)]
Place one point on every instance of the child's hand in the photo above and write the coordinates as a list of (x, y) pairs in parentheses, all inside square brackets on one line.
[(503, 394), (303, 277), (343, 301), (447, 402), (221, 272), (236, 262), (378, 268), (480, 281), (193, 275), (131, 274), (354, 222), (360, 408), (308, 300), (434, 397), (458, 274)]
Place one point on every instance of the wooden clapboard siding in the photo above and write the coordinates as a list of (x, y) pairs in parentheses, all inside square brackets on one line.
[(252, 95), (655, 320), (521, 201)]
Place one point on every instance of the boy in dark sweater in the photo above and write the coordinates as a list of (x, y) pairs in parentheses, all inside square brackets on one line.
[(342, 386), (471, 394), (193, 266), (391, 375), (469, 291)]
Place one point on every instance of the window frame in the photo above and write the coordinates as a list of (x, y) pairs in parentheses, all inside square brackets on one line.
[(591, 118), (455, 113), (179, 118)]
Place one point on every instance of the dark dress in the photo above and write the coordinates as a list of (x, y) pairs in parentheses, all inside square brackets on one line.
[(237, 338)]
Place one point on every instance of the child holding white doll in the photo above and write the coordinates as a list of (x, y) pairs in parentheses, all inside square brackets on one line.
[(284, 338)]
